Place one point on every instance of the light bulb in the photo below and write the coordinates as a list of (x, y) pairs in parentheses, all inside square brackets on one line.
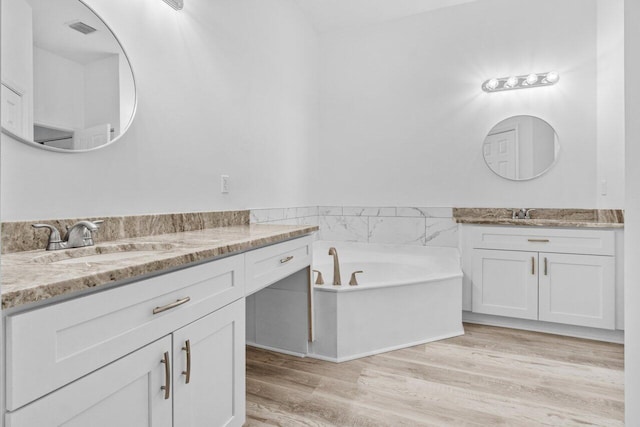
[(553, 77), (492, 84), (532, 79), (512, 81)]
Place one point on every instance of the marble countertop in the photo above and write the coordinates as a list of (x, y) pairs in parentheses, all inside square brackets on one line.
[(30, 277)]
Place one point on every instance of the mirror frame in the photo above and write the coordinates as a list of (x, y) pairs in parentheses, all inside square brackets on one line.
[(557, 149), (133, 111)]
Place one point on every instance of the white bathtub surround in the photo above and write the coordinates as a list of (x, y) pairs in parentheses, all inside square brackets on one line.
[(406, 231), (407, 295), (421, 226), (344, 228), (367, 211), (306, 215), (441, 232), (426, 212)]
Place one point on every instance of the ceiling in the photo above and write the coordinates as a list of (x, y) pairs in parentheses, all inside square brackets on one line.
[(329, 15), (51, 31)]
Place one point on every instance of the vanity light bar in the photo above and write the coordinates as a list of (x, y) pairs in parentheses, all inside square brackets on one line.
[(176, 4), (521, 82)]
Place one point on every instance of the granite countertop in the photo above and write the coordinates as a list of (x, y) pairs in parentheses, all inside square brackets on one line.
[(578, 218), (540, 222), (29, 277)]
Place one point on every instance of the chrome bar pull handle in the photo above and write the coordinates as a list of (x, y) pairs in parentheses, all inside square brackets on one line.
[(546, 267), (533, 266), (286, 260), (187, 373), (539, 240), (167, 376), (172, 305)]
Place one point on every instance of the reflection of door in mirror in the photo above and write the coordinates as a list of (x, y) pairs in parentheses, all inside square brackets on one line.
[(501, 153), (521, 147)]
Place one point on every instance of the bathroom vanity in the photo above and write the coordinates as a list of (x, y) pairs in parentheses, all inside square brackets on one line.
[(164, 346), (562, 275)]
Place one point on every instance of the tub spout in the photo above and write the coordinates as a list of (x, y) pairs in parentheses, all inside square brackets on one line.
[(336, 267)]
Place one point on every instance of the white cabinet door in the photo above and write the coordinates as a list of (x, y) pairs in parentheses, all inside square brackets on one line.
[(577, 290), (125, 393), (215, 364), (505, 283)]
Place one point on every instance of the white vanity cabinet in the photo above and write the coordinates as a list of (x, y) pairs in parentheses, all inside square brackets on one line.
[(104, 357), (132, 391), (563, 276), (168, 350)]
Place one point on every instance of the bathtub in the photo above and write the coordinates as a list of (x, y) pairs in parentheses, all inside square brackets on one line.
[(406, 295)]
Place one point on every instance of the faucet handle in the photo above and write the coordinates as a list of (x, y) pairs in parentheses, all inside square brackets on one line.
[(55, 242), (354, 279), (527, 213)]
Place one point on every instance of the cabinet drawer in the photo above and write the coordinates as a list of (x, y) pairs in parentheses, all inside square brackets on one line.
[(52, 346), (268, 265), (574, 241)]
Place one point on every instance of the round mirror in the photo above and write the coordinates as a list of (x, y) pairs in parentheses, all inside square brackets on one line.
[(67, 84), (521, 148)]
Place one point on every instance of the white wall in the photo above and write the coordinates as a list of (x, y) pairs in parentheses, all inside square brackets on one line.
[(632, 205), (610, 103), (226, 86), (59, 91), (403, 116), (102, 93)]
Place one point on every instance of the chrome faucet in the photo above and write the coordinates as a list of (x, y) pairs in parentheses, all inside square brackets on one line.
[(521, 213), (77, 236), (336, 267)]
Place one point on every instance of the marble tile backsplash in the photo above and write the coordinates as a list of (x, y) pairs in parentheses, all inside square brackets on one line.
[(426, 226)]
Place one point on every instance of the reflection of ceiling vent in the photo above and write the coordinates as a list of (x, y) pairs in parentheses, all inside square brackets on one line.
[(82, 27)]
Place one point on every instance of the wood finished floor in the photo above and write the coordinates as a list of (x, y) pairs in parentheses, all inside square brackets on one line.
[(488, 377)]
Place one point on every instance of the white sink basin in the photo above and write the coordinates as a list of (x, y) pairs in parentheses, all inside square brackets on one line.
[(103, 253)]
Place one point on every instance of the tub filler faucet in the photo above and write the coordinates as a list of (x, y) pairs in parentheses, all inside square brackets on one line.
[(336, 267)]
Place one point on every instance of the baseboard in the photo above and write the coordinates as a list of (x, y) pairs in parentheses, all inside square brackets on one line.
[(613, 336), (384, 350), (276, 350)]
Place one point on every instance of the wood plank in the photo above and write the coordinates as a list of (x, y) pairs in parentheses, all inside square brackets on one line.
[(490, 376)]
